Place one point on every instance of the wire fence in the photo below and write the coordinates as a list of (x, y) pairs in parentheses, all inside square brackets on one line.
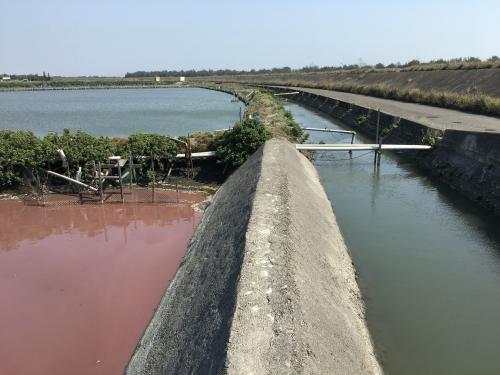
[(117, 181)]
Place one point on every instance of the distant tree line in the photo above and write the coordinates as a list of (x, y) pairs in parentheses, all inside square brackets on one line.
[(455, 63), (30, 77)]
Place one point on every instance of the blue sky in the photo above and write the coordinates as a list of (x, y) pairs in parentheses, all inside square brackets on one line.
[(111, 37)]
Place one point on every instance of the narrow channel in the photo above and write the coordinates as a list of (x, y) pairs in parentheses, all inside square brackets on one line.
[(428, 261)]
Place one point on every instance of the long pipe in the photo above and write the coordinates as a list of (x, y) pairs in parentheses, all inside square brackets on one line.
[(72, 180), (205, 154), (359, 147), (330, 130), (287, 93)]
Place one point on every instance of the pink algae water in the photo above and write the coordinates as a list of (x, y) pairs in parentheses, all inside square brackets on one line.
[(79, 284)]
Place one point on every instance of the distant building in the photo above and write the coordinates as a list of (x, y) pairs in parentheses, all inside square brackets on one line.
[(5, 78), (182, 79), (157, 79)]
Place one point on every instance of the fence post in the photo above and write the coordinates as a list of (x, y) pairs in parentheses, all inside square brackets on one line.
[(377, 136), (189, 159), (39, 189), (99, 171), (154, 178), (120, 180), (130, 172)]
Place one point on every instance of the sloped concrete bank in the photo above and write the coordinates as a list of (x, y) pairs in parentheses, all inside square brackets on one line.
[(267, 285), (467, 161)]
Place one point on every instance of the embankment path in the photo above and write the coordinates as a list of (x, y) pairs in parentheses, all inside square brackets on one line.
[(435, 117)]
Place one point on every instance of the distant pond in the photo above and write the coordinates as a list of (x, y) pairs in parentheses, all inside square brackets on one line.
[(118, 112)]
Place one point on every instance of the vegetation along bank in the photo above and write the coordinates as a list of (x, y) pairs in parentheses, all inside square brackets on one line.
[(24, 156)]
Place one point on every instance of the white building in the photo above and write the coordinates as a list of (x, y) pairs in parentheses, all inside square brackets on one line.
[(182, 79), (5, 78)]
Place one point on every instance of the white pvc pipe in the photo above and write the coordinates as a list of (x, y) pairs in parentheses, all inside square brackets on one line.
[(72, 180), (358, 147), (206, 154), (287, 93), (330, 130)]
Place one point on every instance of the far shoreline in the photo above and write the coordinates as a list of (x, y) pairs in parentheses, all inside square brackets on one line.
[(103, 87)]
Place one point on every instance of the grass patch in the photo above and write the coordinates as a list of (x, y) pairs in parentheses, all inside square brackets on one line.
[(360, 120), (429, 138)]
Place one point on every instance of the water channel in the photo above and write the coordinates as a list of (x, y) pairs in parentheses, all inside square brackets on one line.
[(428, 260)]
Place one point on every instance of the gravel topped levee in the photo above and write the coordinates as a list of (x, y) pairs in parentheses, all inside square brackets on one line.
[(267, 285)]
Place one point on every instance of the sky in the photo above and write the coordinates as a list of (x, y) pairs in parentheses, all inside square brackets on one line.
[(112, 37)]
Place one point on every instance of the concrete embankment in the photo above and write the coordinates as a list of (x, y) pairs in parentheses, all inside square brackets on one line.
[(267, 285), (466, 160)]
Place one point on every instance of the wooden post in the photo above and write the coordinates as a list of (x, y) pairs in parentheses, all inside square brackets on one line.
[(120, 179), (189, 159), (130, 172), (352, 142), (379, 152), (99, 171), (377, 136), (154, 178)]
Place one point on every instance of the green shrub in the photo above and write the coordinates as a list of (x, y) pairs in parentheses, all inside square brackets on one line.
[(385, 132), (360, 120), (294, 130), (160, 146), (429, 138), (236, 145), (19, 151), (79, 148), (22, 151), (163, 149)]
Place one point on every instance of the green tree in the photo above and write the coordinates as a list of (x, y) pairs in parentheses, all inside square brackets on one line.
[(236, 145), (20, 151), (162, 148), (80, 148)]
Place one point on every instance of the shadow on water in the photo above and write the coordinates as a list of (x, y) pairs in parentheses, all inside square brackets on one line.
[(428, 261)]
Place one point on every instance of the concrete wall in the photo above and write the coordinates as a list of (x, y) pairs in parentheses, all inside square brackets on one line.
[(468, 162), (267, 285)]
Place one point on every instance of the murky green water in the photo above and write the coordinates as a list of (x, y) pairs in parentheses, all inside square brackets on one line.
[(428, 262), (170, 111)]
